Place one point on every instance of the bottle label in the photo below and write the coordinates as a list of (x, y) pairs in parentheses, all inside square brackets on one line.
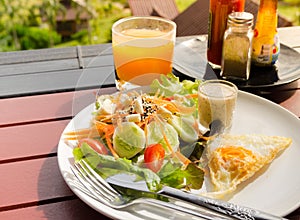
[(275, 49), (266, 53)]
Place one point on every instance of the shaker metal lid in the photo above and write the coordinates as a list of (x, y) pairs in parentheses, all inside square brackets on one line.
[(240, 18)]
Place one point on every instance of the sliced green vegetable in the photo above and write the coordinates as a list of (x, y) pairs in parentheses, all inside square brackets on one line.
[(184, 127), (128, 139), (156, 133)]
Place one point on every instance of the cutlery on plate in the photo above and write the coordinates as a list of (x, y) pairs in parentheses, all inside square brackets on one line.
[(228, 209), (109, 195), (222, 207)]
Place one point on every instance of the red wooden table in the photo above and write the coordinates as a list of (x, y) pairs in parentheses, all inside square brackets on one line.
[(38, 90)]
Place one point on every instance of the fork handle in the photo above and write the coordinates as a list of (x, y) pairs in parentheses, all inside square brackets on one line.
[(227, 208), (203, 214)]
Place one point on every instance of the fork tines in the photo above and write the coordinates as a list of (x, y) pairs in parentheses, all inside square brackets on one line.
[(94, 182)]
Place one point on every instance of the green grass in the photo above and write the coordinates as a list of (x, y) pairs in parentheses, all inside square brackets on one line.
[(290, 2), (290, 13), (103, 30), (183, 4), (290, 9)]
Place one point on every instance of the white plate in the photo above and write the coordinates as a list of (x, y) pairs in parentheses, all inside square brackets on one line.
[(275, 190)]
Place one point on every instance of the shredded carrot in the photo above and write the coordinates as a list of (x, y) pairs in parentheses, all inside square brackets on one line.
[(108, 131), (146, 129), (167, 104), (109, 144), (103, 118), (182, 158), (208, 138), (168, 144), (156, 118), (80, 134), (102, 127), (191, 96), (184, 109)]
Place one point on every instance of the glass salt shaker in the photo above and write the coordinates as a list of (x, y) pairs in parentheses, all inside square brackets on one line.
[(237, 46)]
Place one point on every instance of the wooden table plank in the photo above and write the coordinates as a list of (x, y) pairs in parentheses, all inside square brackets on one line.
[(45, 107), (60, 81), (73, 209), (27, 183), (30, 141), (36, 55), (293, 103), (53, 66), (25, 56), (39, 67), (95, 50), (36, 108), (287, 96)]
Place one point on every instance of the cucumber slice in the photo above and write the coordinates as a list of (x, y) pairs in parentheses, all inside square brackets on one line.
[(128, 140), (184, 127), (156, 132)]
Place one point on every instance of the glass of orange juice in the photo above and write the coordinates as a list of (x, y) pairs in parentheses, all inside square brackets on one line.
[(143, 49)]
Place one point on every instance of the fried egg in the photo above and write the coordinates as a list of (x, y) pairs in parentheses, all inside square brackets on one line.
[(232, 159)]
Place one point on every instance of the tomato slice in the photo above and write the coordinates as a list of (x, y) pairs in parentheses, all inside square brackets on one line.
[(154, 157), (95, 144)]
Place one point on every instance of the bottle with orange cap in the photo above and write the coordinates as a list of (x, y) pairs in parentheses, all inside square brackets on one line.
[(266, 46)]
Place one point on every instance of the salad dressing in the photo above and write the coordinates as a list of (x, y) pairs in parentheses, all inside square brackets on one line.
[(216, 103)]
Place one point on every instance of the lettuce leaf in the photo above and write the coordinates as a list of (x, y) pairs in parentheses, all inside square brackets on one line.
[(191, 177), (107, 165), (169, 85), (171, 173)]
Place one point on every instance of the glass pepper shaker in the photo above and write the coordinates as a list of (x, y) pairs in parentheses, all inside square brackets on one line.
[(237, 46), (218, 15)]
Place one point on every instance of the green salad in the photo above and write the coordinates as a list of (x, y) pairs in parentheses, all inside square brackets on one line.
[(151, 135)]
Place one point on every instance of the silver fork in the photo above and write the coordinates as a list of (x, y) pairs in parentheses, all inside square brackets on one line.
[(102, 191)]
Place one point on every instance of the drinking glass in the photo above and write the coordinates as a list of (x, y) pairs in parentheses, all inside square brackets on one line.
[(216, 104), (143, 49)]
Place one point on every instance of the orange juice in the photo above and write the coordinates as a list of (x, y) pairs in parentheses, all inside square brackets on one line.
[(141, 54), (150, 68), (148, 55)]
